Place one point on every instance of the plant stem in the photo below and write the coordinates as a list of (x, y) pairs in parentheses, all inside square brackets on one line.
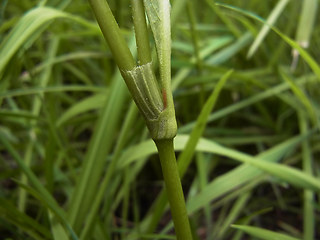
[(141, 31), (308, 195), (174, 189), (112, 34)]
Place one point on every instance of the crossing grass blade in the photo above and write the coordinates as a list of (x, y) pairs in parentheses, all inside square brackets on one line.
[(302, 98), (305, 27), (36, 107), (40, 189), (304, 54), (28, 29), (226, 53), (23, 221), (306, 22), (247, 102), (232, 179), (98, 149), (274, 15), (237, 207), (213, 45), (90, 103), (53, 89), (263, 233), (106, 182), (187, 154), (58, 231)]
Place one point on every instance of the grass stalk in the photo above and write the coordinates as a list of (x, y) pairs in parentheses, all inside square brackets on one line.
[(154, 102), (141, 31), (308, 195), (174, 189), (112, 34)]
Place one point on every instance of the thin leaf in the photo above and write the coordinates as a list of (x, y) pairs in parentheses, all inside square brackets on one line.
[(309, 222), (230, 180), (31, 24), (99, 147), (58, 231), (50, 201), (186, 155), (306, 22), (93, 102), (265, 29), (305, 55), (53, 89), (235, 211), (246, 102), (263, 233), (302, 97), (23, 221), (226, 53)]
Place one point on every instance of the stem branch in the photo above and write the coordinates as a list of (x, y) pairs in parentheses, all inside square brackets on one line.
[(141, 31)]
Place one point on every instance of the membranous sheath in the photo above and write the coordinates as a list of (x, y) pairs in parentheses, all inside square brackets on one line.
[(151, 101), (147, 91)]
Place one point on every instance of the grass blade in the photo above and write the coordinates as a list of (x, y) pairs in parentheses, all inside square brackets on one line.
[(306, 22), (263, 233), (187, 154), (226, 53), (305, 55), (237, 207), (246, 102), (308, 195), (90, 103), (305, 27), (58, 231), (39, 187), (23, 221), (98, 149), (265, 29), (29, 26), (302, 98)]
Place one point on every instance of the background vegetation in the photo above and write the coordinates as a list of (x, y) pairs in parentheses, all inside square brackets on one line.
[(76, 158)]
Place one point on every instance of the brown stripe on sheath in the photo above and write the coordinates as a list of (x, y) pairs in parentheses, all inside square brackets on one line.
[(164, 96)]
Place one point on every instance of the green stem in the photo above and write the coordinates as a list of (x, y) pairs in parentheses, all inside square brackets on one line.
[(308, 195), (141, 31), (112, 34), (174, 189)]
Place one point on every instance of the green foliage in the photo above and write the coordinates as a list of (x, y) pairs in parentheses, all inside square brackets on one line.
[(77, 162)]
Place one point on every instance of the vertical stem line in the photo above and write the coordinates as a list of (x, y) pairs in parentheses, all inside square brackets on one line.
[(112, 34), (308, 195), (141, 31), (174, 189)]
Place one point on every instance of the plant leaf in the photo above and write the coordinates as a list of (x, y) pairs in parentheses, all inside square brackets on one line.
[(265, 29), (263, 233)]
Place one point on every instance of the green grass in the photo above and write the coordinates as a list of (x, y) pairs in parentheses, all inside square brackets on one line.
[(77, 161)]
